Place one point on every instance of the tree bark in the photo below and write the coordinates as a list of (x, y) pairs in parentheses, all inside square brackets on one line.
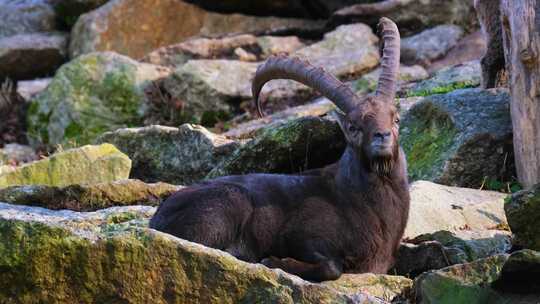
[(521, 37)]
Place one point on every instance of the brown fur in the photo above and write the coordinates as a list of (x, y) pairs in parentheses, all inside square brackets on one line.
[(347, 217), (493, 63)]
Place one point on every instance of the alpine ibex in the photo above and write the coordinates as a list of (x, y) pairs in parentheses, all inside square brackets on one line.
[(347, 217), (493, 63)]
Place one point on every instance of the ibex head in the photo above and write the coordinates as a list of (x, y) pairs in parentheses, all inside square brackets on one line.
[(370, 124)]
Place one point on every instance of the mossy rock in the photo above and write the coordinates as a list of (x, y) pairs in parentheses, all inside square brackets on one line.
[(461, 284), (520, 273), (181, 155), (463, 138), (89, 197), (110, 257), (466, 75), (88, 96), (523, 213), (300, 144), (85, 165)]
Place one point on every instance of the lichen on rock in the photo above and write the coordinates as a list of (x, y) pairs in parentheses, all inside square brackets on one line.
[(85, 165), (92, 94)]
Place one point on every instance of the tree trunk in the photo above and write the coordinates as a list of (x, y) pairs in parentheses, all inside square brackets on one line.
[(520, 21)]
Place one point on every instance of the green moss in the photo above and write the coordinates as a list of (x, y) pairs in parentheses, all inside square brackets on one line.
[(442, 89), (426, 138), (211, 118)]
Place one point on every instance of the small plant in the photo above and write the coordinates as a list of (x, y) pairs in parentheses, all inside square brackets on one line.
[(442, 90)]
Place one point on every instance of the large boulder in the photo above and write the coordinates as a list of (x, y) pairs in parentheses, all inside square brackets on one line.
[(89, 197), (85, 165), (437, 207), (28, 56), (244, 47), (300, 144), (463, 138), (90, 95), (110, 256), (523, 213), (210, 87), (430, 44), (26, 16), (135, 28), (176, 155), (465, 75)]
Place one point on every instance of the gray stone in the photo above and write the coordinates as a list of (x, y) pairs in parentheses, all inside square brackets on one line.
[(207, 87), (430, 44), (464, 75), (30, 88), (463, 138), (14, 154), (443, 248), (28, 56), (26, 16), (437, 207), (175, 155)]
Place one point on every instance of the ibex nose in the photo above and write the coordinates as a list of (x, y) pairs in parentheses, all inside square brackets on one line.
[(382, 135)]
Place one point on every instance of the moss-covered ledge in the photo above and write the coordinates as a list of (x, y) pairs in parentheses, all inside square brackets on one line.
[(109, 256)]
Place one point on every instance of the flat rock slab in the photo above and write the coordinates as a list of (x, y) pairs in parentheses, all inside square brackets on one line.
[(89, 197), (85, 165), (117, 259), (244, 47), (436, 207), (29, 56)]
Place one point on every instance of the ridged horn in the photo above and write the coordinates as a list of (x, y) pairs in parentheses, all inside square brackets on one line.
[(390, 39), (280, 67)]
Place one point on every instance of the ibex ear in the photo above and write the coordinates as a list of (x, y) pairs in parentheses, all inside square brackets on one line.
[(341, 118)]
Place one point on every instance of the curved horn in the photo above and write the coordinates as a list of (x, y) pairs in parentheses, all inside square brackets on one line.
[(279, 67), (390, 58)]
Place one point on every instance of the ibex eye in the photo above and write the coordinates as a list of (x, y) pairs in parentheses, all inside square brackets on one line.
[(352, 128), (397, 120)]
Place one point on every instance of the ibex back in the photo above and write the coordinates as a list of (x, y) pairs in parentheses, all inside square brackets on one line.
[(347, 217)]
